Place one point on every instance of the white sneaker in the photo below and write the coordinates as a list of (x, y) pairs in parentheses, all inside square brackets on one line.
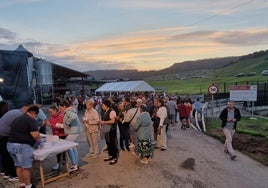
[(74, 168), (13, 179), (6, 177), (56, 166)]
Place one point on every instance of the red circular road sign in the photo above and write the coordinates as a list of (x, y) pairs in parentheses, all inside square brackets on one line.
[(213, 89)]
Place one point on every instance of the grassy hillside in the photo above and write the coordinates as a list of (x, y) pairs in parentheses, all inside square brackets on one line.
[(257, 64), (202, 79)]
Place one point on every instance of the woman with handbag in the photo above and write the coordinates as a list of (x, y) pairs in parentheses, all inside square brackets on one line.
[(108, 127), (123, 128)]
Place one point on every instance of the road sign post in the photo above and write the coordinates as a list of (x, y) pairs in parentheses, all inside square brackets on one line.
[(212, 89)]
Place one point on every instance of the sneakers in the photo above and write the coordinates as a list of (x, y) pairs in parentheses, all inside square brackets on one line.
[(56, 166), (112, 162), (144, 160), (74, 168), (183, 127), (12, 179), (108, 158), (226, 151), (6, 177)]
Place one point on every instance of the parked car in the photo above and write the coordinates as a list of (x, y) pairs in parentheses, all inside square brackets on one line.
[(240, 74), (264, 72), (251, 74)]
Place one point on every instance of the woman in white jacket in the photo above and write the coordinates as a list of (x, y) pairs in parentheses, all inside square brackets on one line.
[(162, 127), (72, 128)]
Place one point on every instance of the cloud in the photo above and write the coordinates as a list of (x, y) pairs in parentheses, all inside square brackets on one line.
[(144, 50), (77, 64), (7, 35), (154, 50), (246, 37)]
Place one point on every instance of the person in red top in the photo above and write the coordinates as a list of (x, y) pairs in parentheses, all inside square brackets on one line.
[(182, 114), (188, 111), (56, 116)]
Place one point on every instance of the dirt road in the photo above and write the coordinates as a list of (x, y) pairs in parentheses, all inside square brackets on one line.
[(192, 160)]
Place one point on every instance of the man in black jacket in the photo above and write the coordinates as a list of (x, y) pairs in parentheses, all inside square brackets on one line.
[(229, 117)]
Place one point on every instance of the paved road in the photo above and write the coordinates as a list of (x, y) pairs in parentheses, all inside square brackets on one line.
[(191, 160)]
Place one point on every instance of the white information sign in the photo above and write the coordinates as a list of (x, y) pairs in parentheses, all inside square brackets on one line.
[(243, 93)]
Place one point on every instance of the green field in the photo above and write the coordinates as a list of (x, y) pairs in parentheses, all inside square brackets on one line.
[(200, 85), (223, 78), (255, 127)]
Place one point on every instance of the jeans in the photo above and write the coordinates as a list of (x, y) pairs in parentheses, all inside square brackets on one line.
[(22, 154), (73, 153), (124, 135)]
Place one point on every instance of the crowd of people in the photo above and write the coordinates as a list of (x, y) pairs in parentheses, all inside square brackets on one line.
[(143, 122)]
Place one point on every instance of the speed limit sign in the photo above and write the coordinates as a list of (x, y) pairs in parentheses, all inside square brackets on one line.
[(213, 89)]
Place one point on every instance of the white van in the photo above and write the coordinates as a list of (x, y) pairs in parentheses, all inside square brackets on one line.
[(264, 72)]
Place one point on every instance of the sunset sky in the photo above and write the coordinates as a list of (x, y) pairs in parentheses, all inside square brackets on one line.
[(133, 34)]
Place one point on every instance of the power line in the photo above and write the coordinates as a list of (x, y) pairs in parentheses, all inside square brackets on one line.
[(221, 13)]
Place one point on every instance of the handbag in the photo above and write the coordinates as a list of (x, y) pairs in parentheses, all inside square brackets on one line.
[(128, 123), (105, 128), (166, 121)]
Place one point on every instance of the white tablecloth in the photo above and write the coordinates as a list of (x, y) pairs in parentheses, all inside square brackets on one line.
[(51, 147)]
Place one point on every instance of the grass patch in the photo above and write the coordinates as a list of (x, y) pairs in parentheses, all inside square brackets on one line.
[(251, 137), (258, 127)]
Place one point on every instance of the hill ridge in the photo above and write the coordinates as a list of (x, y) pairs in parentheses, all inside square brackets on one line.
[(185, 67)]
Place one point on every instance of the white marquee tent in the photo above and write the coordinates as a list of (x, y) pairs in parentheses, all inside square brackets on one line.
[(130, 86)]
